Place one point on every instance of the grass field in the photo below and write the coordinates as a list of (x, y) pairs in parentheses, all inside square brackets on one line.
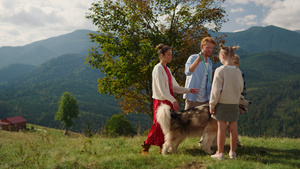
[(49, 148)]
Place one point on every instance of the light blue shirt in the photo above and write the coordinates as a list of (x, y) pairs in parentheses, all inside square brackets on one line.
[(194, 79)]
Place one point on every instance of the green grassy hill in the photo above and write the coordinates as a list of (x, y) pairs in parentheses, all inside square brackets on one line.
[(44, 147)]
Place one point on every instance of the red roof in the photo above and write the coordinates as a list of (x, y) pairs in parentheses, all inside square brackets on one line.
[(4, 123), (15, 120)]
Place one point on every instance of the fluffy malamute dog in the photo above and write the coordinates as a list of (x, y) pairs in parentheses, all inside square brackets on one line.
[(178, 125), (193, 122)]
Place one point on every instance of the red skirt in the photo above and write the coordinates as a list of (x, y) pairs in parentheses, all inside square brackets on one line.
[(156, 135)]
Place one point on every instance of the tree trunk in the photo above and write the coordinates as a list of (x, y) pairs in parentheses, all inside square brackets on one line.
[(66, 133)]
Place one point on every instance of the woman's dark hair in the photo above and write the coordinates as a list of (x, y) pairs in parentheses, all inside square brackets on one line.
[(162, 49)]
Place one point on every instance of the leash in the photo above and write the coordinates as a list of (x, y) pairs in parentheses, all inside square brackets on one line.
[(201, 57)]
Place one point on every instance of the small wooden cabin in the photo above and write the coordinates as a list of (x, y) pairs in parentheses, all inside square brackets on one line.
[(13, 123)]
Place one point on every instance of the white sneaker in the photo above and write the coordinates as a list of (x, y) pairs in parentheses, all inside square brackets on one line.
[(232, 155), (218, 156)]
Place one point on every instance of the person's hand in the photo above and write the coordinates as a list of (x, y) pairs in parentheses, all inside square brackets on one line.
[(194, 91), (175, 105), (212, 111), (200, 56)]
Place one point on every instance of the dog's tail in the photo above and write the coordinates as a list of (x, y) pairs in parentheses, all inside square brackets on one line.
[(163, 117)]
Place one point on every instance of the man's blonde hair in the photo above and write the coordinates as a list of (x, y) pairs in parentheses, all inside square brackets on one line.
[(208, 39)]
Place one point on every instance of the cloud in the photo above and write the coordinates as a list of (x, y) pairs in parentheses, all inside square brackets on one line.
[(265, 3), (247, 20), (281, 13), (34, 16), (239, 1), (24, 22), (284, 14), (237, 10), (239, 30)]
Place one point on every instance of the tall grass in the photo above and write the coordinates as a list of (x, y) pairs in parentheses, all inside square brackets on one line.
[(49, 148)]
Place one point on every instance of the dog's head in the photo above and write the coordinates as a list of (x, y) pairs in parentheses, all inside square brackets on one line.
[(244, 102)]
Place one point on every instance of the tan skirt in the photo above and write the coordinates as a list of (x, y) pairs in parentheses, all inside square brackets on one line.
[(227, 112)]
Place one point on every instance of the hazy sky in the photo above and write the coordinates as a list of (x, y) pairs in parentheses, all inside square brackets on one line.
[(26, 21)]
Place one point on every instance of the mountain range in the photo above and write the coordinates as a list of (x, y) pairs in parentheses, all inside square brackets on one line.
[(33, 78), (253, 40), (269, 38), (39, 52)]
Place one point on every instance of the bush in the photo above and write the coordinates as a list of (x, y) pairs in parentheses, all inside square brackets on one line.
[(118, 125)]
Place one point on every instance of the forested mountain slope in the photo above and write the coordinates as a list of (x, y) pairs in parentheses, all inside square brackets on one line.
[(35, 96)]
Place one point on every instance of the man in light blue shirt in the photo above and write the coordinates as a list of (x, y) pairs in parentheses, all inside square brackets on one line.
[(198, 71)]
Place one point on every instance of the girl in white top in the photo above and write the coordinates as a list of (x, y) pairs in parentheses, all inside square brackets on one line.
[(224, 100), (163, 87)]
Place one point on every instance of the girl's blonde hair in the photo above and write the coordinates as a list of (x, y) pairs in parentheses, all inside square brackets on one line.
[(236, 60), (162, 49), (228, 50)]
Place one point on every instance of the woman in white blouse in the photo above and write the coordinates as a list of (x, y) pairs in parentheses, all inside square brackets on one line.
[(163, 87)]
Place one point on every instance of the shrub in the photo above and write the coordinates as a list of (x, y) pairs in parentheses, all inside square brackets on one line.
[(118, 125)]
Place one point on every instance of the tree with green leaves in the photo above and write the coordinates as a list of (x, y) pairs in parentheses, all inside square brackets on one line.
[(88, 131), (118, 125), (67, 110), (129, 31)]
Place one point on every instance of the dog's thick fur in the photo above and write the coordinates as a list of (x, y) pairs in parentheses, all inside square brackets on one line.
[(178, 125), (193, 122)]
